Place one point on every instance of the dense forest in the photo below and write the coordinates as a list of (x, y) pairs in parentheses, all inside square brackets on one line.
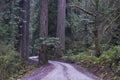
[(81, 32)]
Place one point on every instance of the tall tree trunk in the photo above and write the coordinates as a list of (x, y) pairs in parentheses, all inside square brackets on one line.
[(61, 22), (86, 25), (24, 28), (96, 34), (43, 28), (43, 18)]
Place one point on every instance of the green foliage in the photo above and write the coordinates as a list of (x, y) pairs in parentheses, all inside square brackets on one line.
[(51, 41), (84, 58), (113, 55), (83, 31), (35, 23), (10, 62), (24, 71), (9, 20), (51, 44), (52, 17), (107, 56), (109, 61), (116, 36)]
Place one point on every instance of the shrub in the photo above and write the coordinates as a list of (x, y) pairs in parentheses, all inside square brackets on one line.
[(9, 62), (50, 45), (114, 57), (108, 62), (112, 53)]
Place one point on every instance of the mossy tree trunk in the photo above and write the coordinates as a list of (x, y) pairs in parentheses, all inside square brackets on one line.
[(97, 42)]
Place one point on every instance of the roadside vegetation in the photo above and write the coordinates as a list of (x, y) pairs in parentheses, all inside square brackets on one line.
[(107, 66)]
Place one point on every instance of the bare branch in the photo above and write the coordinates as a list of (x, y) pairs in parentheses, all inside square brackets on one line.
[(85, 11), (106, 28), (93, 3)]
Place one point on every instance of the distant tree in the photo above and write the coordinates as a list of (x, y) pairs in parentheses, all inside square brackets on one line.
[(101, 17), (52, 17)]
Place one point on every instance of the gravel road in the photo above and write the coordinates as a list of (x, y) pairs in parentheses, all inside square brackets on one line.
[(59, 71)]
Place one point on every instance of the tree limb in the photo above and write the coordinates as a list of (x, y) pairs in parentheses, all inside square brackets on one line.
[(85, 11), (106, 28), (93, 3)]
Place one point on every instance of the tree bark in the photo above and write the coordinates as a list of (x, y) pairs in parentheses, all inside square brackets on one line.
[(43, 18), (61, 15), (96, 33), (86, 25), (43, 28), (24, 28)]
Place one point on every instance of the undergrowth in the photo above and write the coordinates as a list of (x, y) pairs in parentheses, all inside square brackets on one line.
[(11, 67), (107, 66), (10, 62)]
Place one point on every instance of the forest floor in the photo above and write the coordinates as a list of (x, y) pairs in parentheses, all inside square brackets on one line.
[(60, 71)]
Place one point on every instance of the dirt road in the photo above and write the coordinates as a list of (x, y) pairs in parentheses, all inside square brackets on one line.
[(59, 71)]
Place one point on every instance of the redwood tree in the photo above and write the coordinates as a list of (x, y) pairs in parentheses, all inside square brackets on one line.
[(61, 22), (43, 28), (24, 28)]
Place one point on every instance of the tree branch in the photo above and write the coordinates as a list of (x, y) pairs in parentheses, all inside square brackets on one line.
[(93, 3), (85, 11), (106, 28)]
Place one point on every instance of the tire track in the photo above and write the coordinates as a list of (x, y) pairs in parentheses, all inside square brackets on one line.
[(73, 74), (59, 71), (65, 72)]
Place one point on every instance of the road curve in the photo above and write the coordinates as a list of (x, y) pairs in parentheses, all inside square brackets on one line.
[(61, 71), (64, 71), (58, 71)]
